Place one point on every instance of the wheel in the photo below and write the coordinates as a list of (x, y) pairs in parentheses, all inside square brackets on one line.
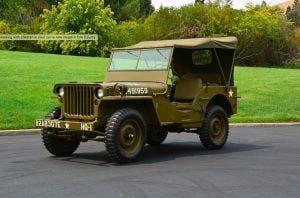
[(215, 129), (125, 135), (56, 145), (156, 136)]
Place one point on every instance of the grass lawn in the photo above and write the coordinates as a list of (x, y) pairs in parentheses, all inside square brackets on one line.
[(27, 79), (267, 95)]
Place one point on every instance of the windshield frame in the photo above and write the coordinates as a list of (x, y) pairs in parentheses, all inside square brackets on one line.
[(140, 51)]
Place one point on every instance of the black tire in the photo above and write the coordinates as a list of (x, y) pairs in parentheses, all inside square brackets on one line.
[(58, 146), (125, 135), (156, 136), (55, 145), (215, 129)]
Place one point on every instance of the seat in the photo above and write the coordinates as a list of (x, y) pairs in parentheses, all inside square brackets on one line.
[(186, 90)]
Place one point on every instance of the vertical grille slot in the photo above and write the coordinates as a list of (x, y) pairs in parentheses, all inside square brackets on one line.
[(79, 101)]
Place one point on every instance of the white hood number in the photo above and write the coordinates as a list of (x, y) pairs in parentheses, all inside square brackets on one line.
[(137, 91)]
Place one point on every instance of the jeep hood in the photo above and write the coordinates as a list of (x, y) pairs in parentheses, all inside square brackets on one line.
[(134, 88)]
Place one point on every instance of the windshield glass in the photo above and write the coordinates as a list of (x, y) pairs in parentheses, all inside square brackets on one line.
[(140, 59)]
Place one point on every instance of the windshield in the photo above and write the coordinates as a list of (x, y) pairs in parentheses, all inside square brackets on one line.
[(140, 59)]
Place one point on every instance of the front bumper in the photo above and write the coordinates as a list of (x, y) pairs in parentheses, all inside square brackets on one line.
[(65, 125)]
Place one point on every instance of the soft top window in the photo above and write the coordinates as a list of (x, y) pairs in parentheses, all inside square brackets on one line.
[(202, 57)]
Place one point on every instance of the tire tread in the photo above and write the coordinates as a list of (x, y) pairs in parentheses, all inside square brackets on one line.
[(204, 134)]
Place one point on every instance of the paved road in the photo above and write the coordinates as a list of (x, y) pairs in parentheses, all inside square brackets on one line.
[(256, 162)]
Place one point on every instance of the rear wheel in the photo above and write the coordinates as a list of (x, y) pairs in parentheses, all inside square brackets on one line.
[(215, 129), (125, 135), (54, 144)]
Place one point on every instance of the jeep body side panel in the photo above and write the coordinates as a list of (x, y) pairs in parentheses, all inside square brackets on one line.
[(222, 96), (190, 114)]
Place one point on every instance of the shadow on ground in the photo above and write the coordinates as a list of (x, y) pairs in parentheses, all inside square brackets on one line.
[(164, 152)]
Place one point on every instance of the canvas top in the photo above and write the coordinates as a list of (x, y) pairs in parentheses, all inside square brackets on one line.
[(194, 43)]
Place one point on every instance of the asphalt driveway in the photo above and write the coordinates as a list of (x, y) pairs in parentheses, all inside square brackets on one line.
[(256, 162)]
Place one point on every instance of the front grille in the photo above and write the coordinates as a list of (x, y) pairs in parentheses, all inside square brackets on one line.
[(78, 101)]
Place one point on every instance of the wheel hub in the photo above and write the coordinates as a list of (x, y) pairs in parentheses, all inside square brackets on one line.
[(129, 136), (216, 128)]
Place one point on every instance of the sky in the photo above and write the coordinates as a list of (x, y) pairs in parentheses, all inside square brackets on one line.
[(238, 4)]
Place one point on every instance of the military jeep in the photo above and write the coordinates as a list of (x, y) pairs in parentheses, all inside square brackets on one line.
[(150, 89)]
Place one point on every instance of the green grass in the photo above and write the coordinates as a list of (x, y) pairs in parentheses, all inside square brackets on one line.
[(267, 95), (27, 79)]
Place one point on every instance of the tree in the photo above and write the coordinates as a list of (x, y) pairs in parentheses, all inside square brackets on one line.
[(264, 3), (294, 13), (160, 25), (125, 33), (288, 10), (125, 10), (130, 10), (4, 29), (295, 47), (228, 3), (16, 11), (79, 17), (116, 7), (196, 21), (262, 33), (199, 1), (146, 8), (220, 3), (22, 12), (53, 2)]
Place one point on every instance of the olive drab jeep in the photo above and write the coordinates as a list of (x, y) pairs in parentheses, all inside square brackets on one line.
[(150, 89)]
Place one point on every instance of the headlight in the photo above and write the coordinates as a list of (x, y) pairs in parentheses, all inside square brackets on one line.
[(99, 93), (61, 92)]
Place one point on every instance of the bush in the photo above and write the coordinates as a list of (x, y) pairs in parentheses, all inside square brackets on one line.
[(263, 36), (16, 45), (125, 33), (199, 20), (294, 58), (4, 29), (162, 24), (26, 46), (79, 17), (208, 20)]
